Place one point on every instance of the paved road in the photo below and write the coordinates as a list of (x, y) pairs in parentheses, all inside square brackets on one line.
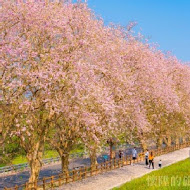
[(117, 177), (46, 171)]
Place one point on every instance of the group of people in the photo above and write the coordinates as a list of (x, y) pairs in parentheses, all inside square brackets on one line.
[(149, 158)]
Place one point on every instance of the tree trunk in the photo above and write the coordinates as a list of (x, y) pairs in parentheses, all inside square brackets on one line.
[(159, 142), (34, 157), (144, 145), (35, 165), (64, 155), (65, 163), (183, 139), (177, 141), (111, 151), (142, 139), (93, 158), (168, 141)]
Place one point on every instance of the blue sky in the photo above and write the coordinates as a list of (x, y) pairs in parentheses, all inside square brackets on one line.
[(166, 22)]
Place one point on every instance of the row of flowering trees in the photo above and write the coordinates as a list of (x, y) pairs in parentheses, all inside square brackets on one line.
[(65, 78)]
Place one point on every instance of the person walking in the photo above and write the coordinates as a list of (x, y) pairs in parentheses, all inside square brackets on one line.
[(146, 157), (105, 157), (151, 160), (120, 154), (134, 155)]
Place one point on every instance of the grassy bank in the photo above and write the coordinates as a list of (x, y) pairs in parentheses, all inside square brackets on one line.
[(47, 154), (173, 177), (22, 159)]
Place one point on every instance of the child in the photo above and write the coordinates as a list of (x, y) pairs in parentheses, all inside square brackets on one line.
[(160, 164)]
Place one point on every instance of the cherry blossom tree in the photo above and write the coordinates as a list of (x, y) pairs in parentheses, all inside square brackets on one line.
[(41, 53), (65, 77)]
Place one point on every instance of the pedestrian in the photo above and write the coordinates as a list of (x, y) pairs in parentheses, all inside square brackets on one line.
[(105, 157), (146, 157), (134, 155), (151, 160), (160, 164), (120, 154)]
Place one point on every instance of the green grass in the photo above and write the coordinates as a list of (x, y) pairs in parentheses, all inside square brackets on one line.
[(47, 154), (78, 150), (22, 159), (19, 160), (173, 177), (2, 165), (50, 154)]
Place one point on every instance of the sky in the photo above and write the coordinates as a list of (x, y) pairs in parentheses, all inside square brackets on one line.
[(166, 22)]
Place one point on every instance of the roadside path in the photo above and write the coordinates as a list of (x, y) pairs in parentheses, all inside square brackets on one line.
[(117, 177), (10, 180)]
